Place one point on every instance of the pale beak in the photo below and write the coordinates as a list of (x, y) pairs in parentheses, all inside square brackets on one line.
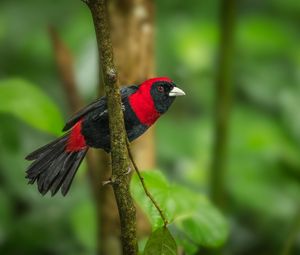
[(175, 92)]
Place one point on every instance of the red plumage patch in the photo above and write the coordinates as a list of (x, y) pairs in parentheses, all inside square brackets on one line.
[(76, 141), (142, 103)]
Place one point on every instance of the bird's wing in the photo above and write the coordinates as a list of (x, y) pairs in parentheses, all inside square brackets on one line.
[(97, 104), (101, 102), (127, 91)]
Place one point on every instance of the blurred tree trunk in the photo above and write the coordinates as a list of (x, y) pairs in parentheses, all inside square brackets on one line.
[(132, 37), (132, 24), (223, 101)]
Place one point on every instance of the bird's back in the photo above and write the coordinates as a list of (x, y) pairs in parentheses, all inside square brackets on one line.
[(95, 126)]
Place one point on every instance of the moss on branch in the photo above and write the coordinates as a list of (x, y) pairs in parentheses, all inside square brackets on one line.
[(119, 153)]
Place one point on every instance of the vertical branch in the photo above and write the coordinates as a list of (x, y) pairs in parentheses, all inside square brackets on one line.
[(223, 101), (132, 32), (119, 154)]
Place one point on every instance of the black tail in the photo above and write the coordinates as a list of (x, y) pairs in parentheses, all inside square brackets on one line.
[(53, 167)]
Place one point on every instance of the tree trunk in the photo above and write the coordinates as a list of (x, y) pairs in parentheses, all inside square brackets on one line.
[(132, 23), (223, 101)]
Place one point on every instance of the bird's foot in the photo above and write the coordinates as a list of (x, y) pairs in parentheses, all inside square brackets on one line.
[(113, 179), (109, 181), (128, 171)]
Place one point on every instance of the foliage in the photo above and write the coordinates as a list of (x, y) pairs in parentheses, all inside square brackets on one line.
[(44, 218), (161, 242), (27, 102), (263, 159), (193, 219)]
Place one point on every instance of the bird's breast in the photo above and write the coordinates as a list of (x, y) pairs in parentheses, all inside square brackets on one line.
[(134, 127), (144, 108)]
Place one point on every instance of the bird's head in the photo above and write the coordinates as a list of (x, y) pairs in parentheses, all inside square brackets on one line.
[(162, 91)]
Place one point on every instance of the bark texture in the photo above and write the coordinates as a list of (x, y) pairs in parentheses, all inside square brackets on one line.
[(132, 32), (119, 156)]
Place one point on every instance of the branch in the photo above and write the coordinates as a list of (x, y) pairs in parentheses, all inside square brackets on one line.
[(160, 211), (119, 153)]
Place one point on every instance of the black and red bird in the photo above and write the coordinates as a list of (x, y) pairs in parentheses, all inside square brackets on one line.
[(55, 164)]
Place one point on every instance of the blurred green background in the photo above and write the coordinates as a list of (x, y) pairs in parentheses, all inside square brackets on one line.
[(263, 173)]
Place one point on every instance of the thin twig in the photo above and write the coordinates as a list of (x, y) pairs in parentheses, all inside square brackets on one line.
[(160, 211)]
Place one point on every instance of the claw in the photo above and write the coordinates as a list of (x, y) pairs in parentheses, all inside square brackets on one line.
[(114, 180), (128, 171), (104, 183), (123, 107)]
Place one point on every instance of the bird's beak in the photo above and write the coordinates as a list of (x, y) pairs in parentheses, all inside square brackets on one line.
[(175, 92)]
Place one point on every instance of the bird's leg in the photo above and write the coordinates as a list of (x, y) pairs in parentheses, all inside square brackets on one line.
[(113, 180)]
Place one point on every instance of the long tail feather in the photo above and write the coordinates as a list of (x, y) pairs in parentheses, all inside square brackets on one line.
[(66, 184), (54, 167), (35, 154)]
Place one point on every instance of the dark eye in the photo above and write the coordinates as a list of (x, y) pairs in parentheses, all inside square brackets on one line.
[(160, 88)]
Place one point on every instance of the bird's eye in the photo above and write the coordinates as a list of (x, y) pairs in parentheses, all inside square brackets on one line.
[(160, 88)]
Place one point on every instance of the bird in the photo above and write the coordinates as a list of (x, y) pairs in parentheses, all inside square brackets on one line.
[(55, 164)]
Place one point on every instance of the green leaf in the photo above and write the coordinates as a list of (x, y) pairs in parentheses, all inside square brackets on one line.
[(28, 103), (161, 242), (194, 218), (207, 228), (159, 188)]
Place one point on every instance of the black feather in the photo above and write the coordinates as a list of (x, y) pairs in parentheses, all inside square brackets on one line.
[(53, 166), (60, 177), (42, 163), (35, 154), (99, 105), (56, 167), (71, 173)]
